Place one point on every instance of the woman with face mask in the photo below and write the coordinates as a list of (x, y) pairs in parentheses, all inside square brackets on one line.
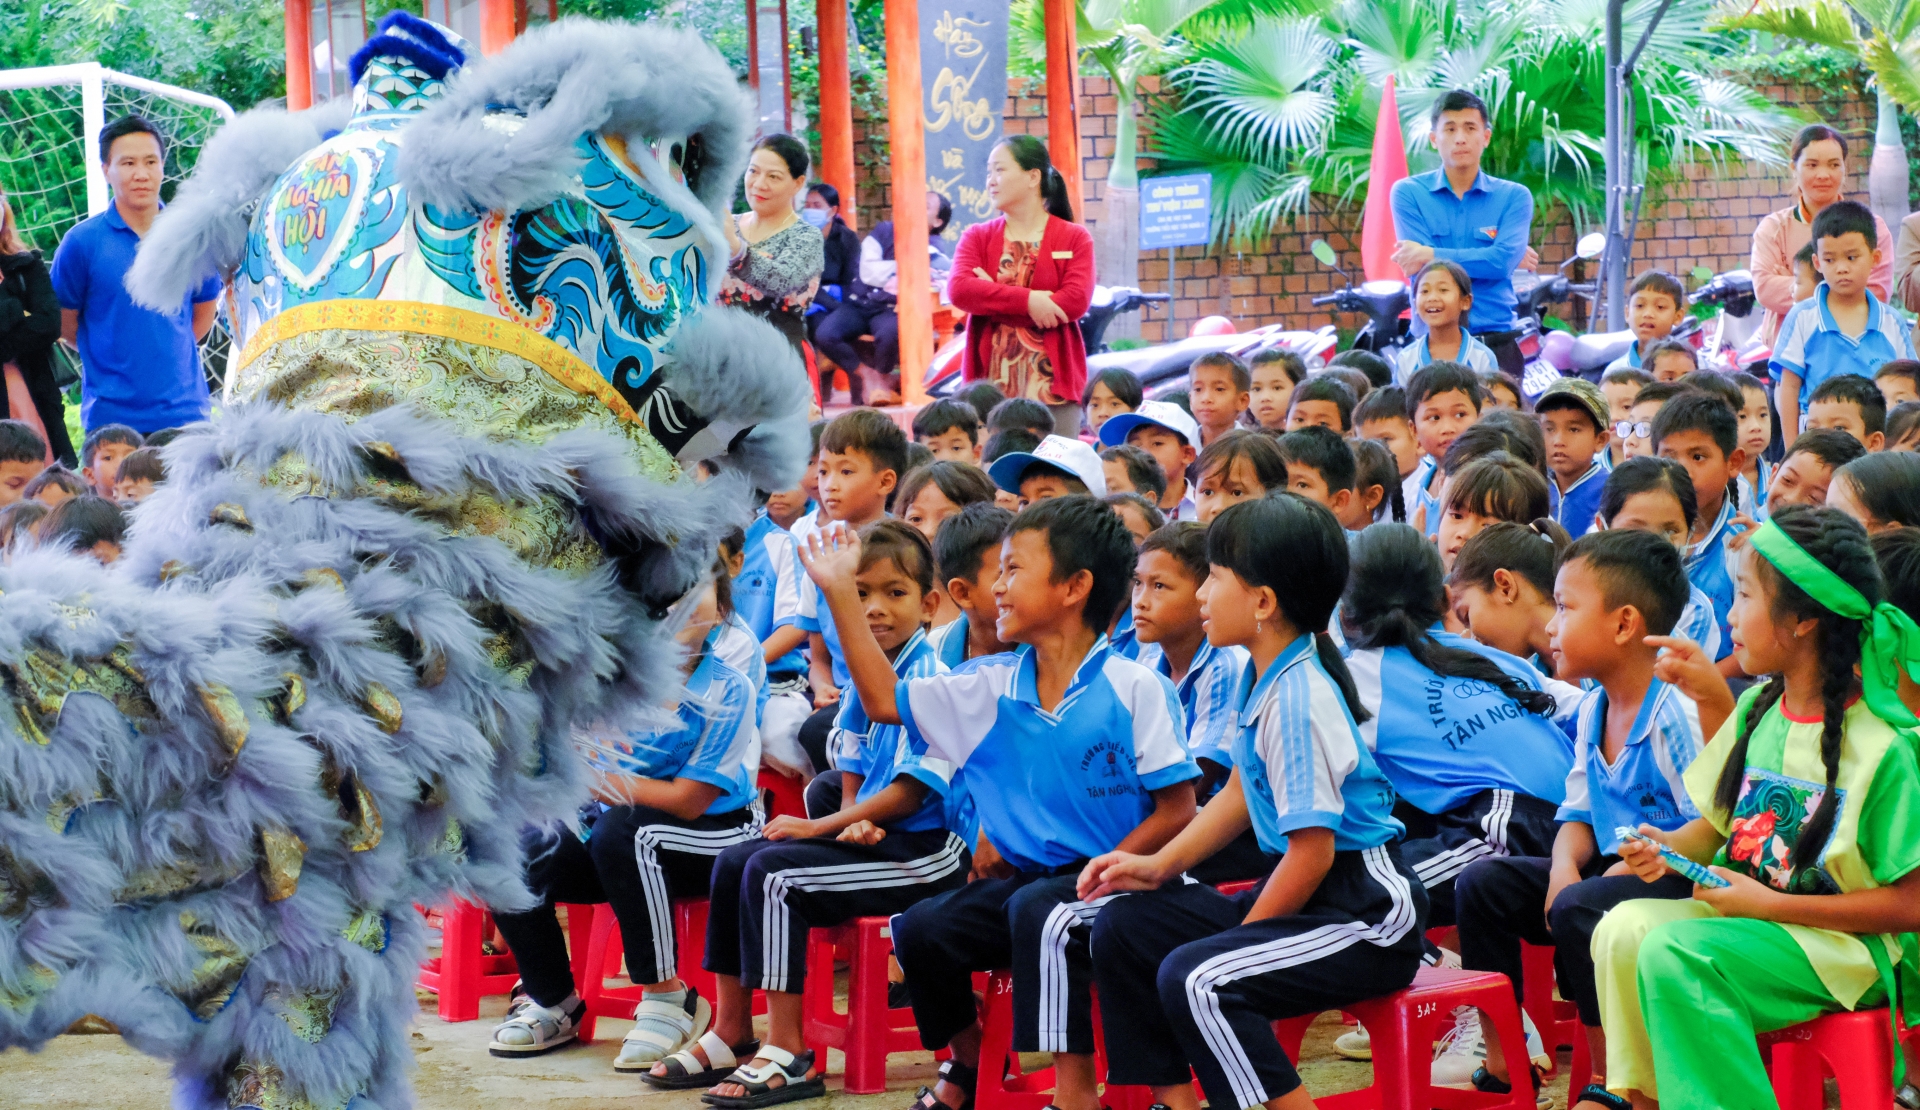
[(868, 309)]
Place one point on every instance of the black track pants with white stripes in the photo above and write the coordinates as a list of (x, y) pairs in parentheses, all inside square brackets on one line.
[(638, 860), (767, 894), (1179, 958), (1032, 923), (1492, 823)]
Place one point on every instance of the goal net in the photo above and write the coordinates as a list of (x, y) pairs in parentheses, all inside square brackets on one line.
[(50, 121)]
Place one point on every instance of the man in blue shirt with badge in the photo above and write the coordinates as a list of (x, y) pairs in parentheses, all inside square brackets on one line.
[(1459, 214), (142, 368)]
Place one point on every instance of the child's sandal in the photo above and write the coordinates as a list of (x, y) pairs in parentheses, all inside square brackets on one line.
[(1594, 1092), (685, 1071), (757, 1077), (956, 1074)]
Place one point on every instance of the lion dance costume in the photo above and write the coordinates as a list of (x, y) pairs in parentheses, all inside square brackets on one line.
[(435, 532)]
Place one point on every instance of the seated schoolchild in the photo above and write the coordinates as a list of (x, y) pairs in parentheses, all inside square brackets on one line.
[(1805, 808), (667, 800), (1166, 618), (1618, 594), (1339, 919), (885, 847), (1068, 752), (1236, 466)]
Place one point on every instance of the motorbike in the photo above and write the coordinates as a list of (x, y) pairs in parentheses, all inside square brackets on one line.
[(1383, 302), (1730, 344), (1162, 367)]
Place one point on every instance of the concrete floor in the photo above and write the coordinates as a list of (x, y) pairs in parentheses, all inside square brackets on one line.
[(101, 1072)]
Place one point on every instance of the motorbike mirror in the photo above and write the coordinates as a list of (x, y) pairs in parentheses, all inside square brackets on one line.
[(1591, 245), (1324, 253), (1702, 275)]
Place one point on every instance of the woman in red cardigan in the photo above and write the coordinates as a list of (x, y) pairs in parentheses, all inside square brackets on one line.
[(1024, 280)]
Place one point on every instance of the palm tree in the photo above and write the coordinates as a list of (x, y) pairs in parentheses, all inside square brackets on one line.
[(1883, 36), (1282, 112)]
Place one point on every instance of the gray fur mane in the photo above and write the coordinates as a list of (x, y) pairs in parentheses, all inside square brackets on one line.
[(573, 78)]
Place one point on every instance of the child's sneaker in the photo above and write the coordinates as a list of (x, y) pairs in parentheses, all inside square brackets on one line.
[(531, 1029), (663, 1024), (1463, 1049), (1354, 1044)]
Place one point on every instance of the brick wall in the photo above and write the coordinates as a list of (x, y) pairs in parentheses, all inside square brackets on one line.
[(1706, 218)]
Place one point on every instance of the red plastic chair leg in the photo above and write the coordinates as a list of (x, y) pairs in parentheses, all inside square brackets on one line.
[(460, 961)]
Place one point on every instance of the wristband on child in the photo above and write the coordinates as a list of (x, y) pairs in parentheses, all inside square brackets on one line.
[(1889, 639)]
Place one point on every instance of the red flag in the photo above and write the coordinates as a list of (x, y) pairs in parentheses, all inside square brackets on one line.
[(1389, 166)]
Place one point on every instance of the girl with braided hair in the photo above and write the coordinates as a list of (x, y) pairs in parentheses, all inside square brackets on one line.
[(1805, 798)]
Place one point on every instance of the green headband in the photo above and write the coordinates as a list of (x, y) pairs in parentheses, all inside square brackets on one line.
[(1889, 640)]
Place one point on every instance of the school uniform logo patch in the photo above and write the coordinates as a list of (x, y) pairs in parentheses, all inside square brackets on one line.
[(1110, 766), (1490, 232)]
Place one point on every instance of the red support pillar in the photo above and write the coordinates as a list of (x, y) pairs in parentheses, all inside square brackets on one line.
[(907, 135), (836, 106), (1063, 102), (496, 25), (299, 55)]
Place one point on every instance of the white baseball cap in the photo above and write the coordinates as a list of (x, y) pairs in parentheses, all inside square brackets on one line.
[(1069, 456), (1163, 414)]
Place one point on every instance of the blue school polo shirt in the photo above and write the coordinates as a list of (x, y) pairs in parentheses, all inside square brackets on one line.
[(1124, 641), (1442, 740), (1476, 355), (1414, 495), (1484, 231), (811, 613), (768, 585), (708, 741), (1053, 788), (1707, 569), (1574, 510), (142, 367), (1209, 692), (949, 642), (1812, 346), (1698, 622), (883, 753), (1301, 760), (1645, 785)]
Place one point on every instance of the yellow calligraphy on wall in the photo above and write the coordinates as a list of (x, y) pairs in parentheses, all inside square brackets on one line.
[(951, 97)]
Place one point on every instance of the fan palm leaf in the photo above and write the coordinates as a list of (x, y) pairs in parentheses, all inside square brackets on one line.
[(1260, 95)]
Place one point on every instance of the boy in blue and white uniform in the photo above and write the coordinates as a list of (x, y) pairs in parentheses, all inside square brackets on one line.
[(669, 801), (1068, 752), (1613, 590)]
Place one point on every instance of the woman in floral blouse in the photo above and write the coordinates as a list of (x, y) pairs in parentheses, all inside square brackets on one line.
[(777, 256)]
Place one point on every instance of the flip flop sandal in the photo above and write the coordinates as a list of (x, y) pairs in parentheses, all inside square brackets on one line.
[(757, 1077), (685, 1071), (1594, 1092), (662, 1028), (954, 1072)]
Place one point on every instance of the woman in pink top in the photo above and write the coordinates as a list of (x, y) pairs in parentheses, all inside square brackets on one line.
[(1024, 280), (1819, 179)]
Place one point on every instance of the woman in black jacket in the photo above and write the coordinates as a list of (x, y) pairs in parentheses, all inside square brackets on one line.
[(29, 327)]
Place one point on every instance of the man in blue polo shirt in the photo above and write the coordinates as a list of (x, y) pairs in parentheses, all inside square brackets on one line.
[(142, 367), (1459, 214)]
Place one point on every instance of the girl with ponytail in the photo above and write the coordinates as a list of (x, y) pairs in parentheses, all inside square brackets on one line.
[(1467, 739), (1341, 903), (1808, 817), (1024, 280)]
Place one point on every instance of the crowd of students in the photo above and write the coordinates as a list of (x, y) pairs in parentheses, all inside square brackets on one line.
[(45, 504), (1411, 655)]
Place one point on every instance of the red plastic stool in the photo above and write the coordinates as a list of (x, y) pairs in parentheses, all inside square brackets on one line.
[(605, 951), (1403, 1025), (1855, 1048), (1557, 1020), (1003, 1086), (868, 1030), (785, 795), (462, 973)]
